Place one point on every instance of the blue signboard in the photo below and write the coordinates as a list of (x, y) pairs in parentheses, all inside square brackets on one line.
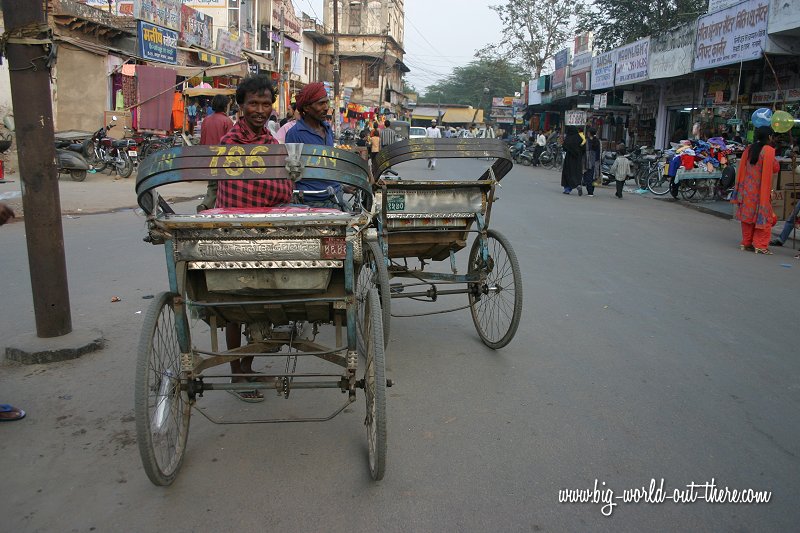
[(157, 43)]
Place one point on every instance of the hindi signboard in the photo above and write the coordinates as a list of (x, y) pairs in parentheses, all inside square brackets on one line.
[(575, 118), (719, 5), (229, 43), (632, 60), (671, 52), (196, 27), (157, 44), (603, 70), (735, 34), (164, 13)]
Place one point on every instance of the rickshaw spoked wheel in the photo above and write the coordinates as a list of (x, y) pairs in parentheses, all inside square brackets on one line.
[(162, 409), (374, 384), (496, 304), (374, 274)]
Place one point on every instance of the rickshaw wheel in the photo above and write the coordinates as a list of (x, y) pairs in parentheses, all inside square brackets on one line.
[(375, 274), (496, 303), (162, 410), (374, 385)]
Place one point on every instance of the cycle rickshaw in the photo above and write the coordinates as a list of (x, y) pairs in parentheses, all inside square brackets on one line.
[(430, 220), (282, 272)]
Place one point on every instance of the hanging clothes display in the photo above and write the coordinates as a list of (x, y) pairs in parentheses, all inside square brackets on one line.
[(154, 94)]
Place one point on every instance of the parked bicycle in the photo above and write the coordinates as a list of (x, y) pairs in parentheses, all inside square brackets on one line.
[(552, 156)]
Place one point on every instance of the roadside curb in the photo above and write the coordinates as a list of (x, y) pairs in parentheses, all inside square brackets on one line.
[(698, 207)]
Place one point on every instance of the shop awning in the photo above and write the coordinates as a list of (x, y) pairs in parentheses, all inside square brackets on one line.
[(214, 59), (231, 69), (461, 116), (258, 58)]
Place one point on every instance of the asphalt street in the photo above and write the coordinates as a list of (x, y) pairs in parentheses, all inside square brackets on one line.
[(650, 347)]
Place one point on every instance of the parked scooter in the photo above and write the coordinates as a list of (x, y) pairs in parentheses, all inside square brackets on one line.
[(526, 157), (69, 160)]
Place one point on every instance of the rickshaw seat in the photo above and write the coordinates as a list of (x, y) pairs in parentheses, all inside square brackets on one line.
[(284, 210)]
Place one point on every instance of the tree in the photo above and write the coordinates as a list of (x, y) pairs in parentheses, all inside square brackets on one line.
[(465, 84), (617, 22), (534, 30)]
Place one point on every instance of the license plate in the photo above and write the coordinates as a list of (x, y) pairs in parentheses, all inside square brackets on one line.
[(132, 153), (333, 248), (396, 202)]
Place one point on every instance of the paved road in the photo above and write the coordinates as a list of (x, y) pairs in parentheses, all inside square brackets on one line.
[(650, 347)]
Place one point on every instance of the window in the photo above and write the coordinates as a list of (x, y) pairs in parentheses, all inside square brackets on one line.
[(355, 19), (372, 76)]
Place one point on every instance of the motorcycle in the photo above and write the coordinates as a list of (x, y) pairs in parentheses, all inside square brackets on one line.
[(516, 149), (526, 157), (69, 160), (102, 152)]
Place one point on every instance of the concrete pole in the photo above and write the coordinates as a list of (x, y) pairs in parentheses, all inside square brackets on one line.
[(336, 73), (30, 96)]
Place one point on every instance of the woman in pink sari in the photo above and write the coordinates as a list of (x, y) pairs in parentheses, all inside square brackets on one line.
[(752, 193)]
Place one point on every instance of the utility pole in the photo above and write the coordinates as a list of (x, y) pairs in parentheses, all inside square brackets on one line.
[(336, 73), (384, 69), (30, 95)]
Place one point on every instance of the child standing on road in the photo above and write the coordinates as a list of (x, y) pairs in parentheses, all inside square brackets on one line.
[(621, 169)]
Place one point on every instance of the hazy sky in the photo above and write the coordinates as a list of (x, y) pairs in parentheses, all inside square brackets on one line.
[(439, 34)]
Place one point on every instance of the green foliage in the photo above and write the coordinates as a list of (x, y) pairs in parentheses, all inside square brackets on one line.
[(534, 30), (617, 22), (465, 84)]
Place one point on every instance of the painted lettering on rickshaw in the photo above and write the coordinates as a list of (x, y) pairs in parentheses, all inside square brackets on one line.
[(321, 158), (261, 249), (234, 159), (165, 161)]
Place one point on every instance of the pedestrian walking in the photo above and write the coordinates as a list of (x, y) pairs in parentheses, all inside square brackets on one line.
[(432, 132), (592, 163), (374, 148), (388, 135), (572, 171), (752, 193), (621, 169)]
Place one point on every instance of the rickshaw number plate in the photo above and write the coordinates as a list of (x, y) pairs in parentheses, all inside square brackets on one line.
[(396, 202), (333, 248)]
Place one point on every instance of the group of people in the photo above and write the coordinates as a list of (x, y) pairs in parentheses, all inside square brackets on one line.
[(582, 162)]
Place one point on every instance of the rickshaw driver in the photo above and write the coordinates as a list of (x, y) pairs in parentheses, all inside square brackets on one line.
[(255, 96), (312, 128)]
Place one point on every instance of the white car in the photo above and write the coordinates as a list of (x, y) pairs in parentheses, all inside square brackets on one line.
[(417, 133)]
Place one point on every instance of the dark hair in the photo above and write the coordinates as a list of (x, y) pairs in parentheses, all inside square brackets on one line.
[(571, 130), (386, 123), (254, 85), (294, 106), (621, 150), (592, 131), (219, 103), (762, 138), (376, 133)]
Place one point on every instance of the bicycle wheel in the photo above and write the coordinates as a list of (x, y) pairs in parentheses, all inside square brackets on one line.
[(686, 190), (657, 182), (374, 385), (703, 189), (496, 301), (124, 165), (546, 159), (95, 158), (375, 274), (162, 410)]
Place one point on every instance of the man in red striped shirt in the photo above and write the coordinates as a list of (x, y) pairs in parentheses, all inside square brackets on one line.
[(255, 96)]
